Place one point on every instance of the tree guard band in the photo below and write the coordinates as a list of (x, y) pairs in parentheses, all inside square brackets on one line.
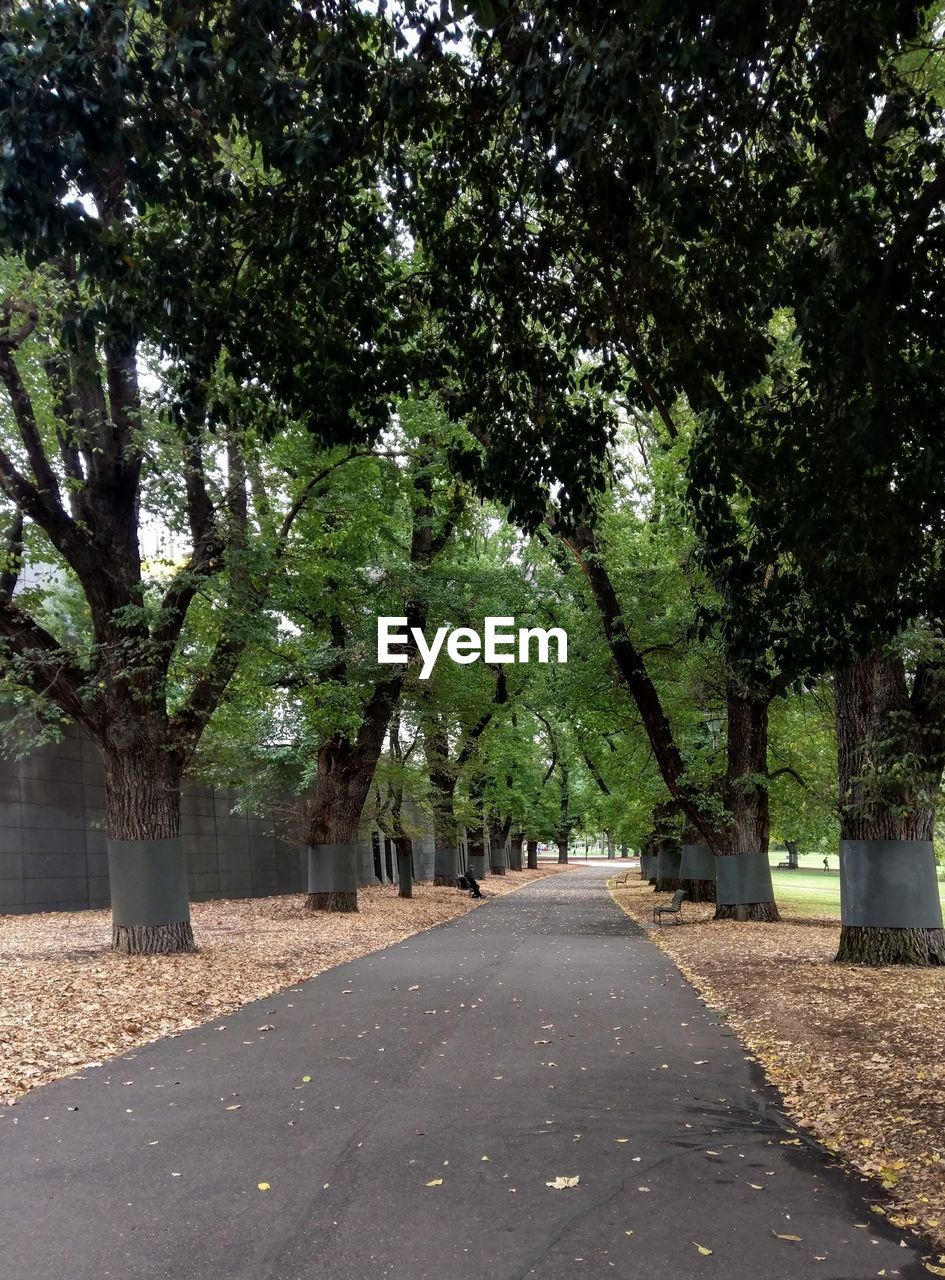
[(425, 860), (148, 882), (446, 861), (889, 884), (477, 865), (333, 868), (697, 862), (743, 879), (648, 865), (667, 863)]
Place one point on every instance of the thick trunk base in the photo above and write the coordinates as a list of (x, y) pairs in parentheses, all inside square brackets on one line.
[(332, 902), (154, 939), (760, 912), (875, 946), (700, 890), (667, 884), (498, 871), (448, 881)]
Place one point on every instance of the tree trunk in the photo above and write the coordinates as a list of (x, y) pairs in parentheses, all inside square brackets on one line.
[(533, 855), (142, 803), (667, 884), (405, 865), (515, 853), (342, 781), (881, 728), (442, 790), (745, 790), (498, 854), (476, 853), (562, 844), (700, 890)]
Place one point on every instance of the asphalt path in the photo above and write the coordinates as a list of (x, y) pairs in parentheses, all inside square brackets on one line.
[(405, 1113)]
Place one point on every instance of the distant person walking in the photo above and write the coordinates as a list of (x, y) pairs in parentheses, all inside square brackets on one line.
[(826, 863)]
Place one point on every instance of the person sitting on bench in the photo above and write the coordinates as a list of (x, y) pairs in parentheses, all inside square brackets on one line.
[(468, 881)]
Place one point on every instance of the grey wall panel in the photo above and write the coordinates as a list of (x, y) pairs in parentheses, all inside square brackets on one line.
[(96, 863), (11, 840), (11, 865), (51, 892), (96, 840), (12, 893), (53, 841)]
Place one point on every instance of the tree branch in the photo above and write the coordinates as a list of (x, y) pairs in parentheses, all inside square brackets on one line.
[(45, 667), (12, 558)]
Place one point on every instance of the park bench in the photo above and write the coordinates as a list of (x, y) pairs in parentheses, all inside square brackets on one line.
[(673, 908)]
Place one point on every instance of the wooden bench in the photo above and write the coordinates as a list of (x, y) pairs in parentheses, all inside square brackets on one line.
[(673, 908)]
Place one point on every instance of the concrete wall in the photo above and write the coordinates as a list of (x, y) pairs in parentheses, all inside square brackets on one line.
[(52, 837)]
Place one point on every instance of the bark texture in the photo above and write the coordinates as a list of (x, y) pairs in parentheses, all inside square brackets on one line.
[(700, 890), (405, 865), (332, 901), (533, 855), (153, 940)]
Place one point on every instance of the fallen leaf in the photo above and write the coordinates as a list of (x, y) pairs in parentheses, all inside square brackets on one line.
[(263, 1186), (235, 1106), (434, 1182), (796, 1239), (560, 1183), (702, 1249)]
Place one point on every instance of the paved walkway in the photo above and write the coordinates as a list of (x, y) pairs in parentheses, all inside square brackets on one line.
[(542, 1031)]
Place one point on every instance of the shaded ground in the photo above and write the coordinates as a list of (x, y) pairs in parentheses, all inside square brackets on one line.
[(403, 1115), (856, 1053), (66, 999)]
